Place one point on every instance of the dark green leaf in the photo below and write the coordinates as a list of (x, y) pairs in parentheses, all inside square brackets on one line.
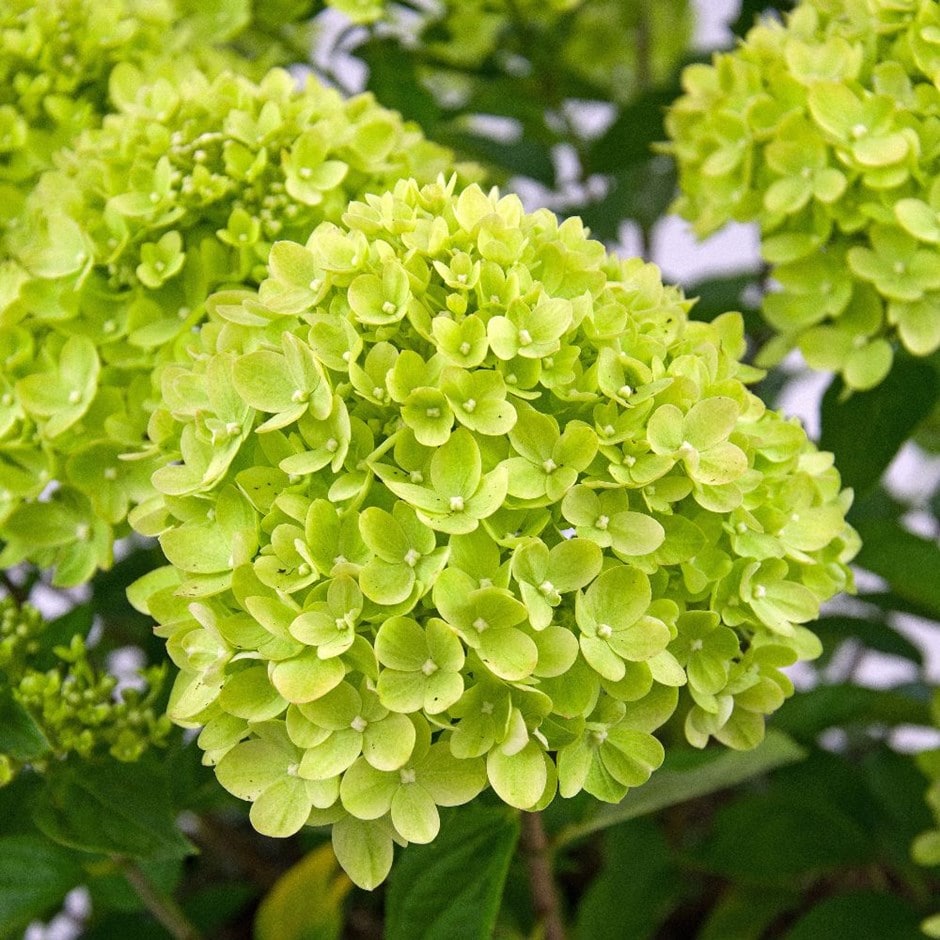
[(866, 430), (642, 192), (213, 906), (814, 710), (113, 809), (861, 915), (745, 912), (122, 926), (20, 737), (393, 78), (898, 785), (872, 634), (732, 292), (711, 771), (34, 877), (59, 632), (636, 889), (110, 890), (909, 563), (452, 887), (769, 838), (523, 157), (629, 139)]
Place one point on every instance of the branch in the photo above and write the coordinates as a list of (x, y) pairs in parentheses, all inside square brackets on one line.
[(537, 854)]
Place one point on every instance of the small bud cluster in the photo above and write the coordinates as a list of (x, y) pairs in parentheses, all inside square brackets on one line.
[(178, 193), (823, 130), (73, 705), (488, 509)]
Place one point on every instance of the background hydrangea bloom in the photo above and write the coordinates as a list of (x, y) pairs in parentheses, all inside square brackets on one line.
[(179, 193), (824, 130), (56, 57), (481, 475)]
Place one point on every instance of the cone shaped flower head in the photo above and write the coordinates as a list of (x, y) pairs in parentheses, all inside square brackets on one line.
[(181, 192), (491, 485), (823, 130)]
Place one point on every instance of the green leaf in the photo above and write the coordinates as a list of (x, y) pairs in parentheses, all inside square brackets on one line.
[(815, 710), (788, 835), (641, 900), (394, 80), (889, 413), (111, 808), (524, 157), (306, 901), (453, 887), (667, 787), (874, 634), (745, 912), (34, 877), (861, 915), (20, 737), (629, 139), (909, 563)]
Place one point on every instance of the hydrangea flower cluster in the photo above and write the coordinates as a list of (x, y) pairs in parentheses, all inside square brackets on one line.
[(460, 500), (56, 57), (73, 706), (180, 192), (825, 130)]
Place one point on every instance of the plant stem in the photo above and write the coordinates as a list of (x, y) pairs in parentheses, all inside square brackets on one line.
[(161, 905), (537, 853)]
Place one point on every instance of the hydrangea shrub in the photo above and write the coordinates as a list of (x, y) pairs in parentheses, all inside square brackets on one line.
[(824, 130), (462, 501), (178, 193)]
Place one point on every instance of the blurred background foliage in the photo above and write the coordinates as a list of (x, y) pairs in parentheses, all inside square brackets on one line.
[(830, 829)]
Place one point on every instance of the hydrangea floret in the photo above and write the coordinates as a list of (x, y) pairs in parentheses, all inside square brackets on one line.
[(179, 193), (69, 706), (824, 130), (489, 490)]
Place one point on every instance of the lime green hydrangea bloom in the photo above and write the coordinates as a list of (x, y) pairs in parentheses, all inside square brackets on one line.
[(179, 193), (56, 57), (488, 489), (824, 131), (65, 705)]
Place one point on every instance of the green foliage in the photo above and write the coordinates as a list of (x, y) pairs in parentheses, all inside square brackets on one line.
[(823, 130), (423, 403), (453, 885), (181, 192)]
